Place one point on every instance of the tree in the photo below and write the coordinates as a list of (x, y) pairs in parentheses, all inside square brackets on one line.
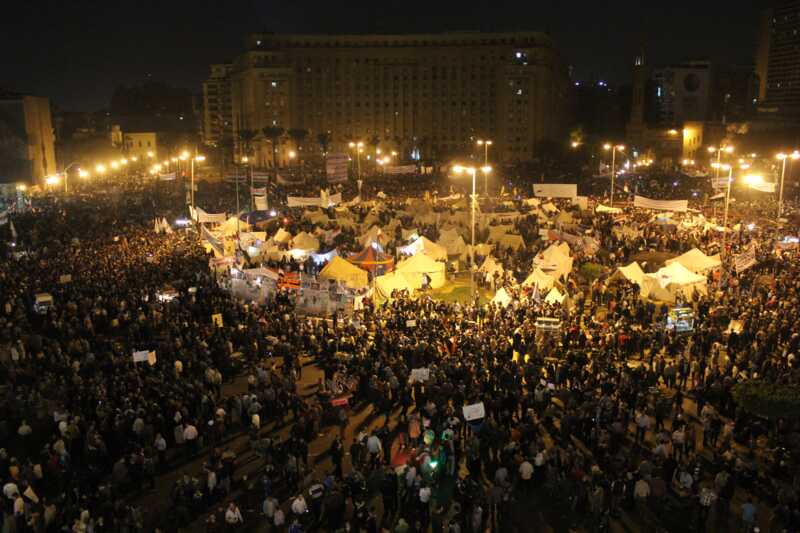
[(246, 138), (274, 134), (770, 400), (298, 136), (324, 141)]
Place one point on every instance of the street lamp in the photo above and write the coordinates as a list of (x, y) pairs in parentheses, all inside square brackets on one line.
[(458, 169), (614, 149), (198, 158), (782, 158), (486, 144), (728, 149), (150, 154), (83, 174), (357, 147)]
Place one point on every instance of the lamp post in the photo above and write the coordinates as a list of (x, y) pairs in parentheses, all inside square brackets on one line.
[(197, 158), (614, 149), (357, 147), (486, 144), (728, 149), (782, 158), (458, 169)]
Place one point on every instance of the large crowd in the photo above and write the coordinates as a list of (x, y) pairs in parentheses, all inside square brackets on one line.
[(610, 418)]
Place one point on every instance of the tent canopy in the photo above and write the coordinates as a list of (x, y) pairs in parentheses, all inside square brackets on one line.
[(696, 261), (306, 242), (425, 246), (340, 270), (385, 285), (419, 265), (538, 278), (373, 260), (373, 234), (229, 228), (555, 260), (502, 298), (282, 236)]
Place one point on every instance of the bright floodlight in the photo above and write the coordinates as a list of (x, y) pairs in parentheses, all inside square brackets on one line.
[(82, 173), (780, 157), (51, 180), (114, 164), (795, 155), (754, 179), (149, 154), (486, 169), (200, 158), (606, 146), (458, 169), (729, 149)]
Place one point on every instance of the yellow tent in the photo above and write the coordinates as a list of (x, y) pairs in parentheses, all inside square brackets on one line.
[(417, 266), (385, 285), (340, 270)]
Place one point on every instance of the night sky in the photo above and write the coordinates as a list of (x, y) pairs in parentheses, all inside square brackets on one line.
[(77, 51)]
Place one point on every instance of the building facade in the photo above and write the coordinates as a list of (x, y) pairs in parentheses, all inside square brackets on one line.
[(217, 111), (140, 145), (778, 60), (683, 92), (430, 94), (27, 139)]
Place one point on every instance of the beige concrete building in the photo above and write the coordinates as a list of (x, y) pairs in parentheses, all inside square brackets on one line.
[(434, 94), (217, 117), (27, 151), (140, 144)]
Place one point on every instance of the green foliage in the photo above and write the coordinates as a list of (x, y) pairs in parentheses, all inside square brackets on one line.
[(591, 271), (770, 400)]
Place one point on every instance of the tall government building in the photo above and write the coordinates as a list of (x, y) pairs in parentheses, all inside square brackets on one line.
[(431, 94), (778, 62)]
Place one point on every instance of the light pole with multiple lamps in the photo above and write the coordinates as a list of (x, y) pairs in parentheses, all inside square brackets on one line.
[(782, 158), (358, 147), (472, 171), (614, 149), (486, 144)]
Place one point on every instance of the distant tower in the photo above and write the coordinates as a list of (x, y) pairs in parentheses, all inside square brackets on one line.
[(638, 89)]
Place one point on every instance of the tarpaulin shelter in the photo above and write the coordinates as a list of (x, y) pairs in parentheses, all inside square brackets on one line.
[(423, 245), (385, 285), (305, 241), (373, 260), (231, 226), (373, 234), (502, 298), (340, 270), (674, 279), (696, 261), (282, 236), (555, 260), (539, 278), (416, 267)]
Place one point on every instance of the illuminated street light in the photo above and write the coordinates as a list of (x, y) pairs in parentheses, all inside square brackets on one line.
[(200, 158), (22, 187), (753, 179), (150, 154), (293, 154), (100, 168), (51, 180), (114, 164), (134, 159), (782, 158), (614, 149), (124, 161), (245, 159), (459, 169), (486, 144), (83, 174)]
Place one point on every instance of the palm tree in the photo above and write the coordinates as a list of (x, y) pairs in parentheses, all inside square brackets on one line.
[(298, 136), (324, 141), (274, 134), (246, 137)]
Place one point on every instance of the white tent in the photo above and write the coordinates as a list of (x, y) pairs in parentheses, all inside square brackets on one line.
[(409, 234), (340, 270), (514, 242), (696, 261), (452, 242), (418, 265), (482, 250), (497, 232), (632, 273), (374, 234), (282, 236), (306, 242), (539, 278), (490, 267), (554, 296), (555, 260), (385, 285), (423, 245), (674, 279), (229, 227), (502, 298)]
